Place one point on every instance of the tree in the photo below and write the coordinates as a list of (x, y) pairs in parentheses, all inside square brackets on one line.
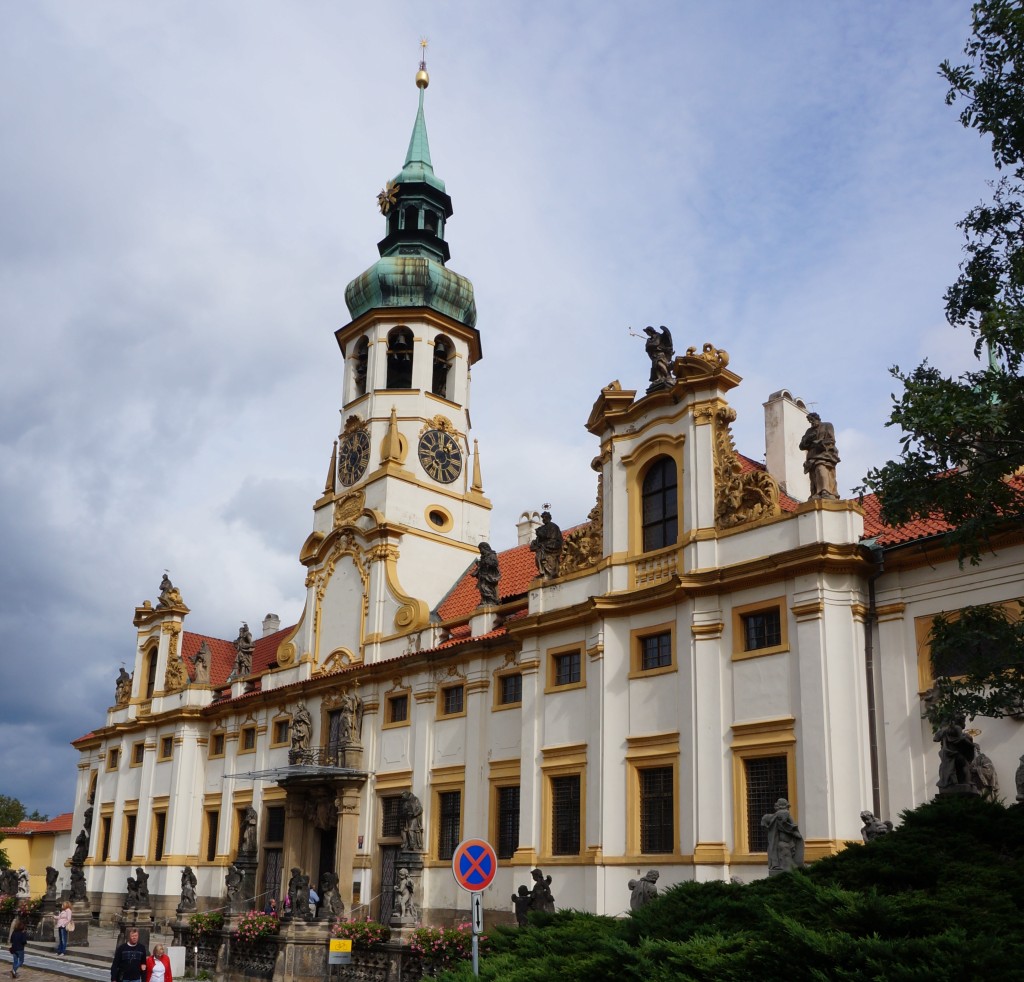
[(12, 811), (963, 437)]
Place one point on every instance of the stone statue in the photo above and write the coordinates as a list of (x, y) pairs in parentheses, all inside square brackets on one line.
[(659, 349), (785, 843), (81, 848), (983, 775), (873, 827), (78, 885), (351, 718), (331, 905), (547, 547), (247, 834), (87, 819), (201, 665), (302, 734), (300, 900), (412, 822), (1019, 779), (23, 888), (131, 900), (487, 575), (142, 879), (521, 905), (405, 908), (8, 882), (644, 890), (540, 896), (51, 883), (244, 646), (122, 687), (188, 890), (820, 465), (233, 883), (956, 752), (293, 885), (170, 596)]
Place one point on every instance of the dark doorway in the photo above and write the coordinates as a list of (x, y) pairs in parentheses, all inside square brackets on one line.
[(328, 843), (388, 875)]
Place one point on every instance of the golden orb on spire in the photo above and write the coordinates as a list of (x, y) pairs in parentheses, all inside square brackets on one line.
[(422, 78)]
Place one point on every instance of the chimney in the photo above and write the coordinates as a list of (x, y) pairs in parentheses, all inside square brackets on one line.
[(528, 522), (271, 623), (785, 422)]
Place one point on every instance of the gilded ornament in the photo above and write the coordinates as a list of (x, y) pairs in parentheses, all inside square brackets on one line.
[(387, 197), (349, 506), (175, 677), (741, 497)]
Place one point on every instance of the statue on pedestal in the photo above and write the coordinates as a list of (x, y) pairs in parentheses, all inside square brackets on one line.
[(819, 441), (644, 890), (547, 547), (412, 822), (785, 841)]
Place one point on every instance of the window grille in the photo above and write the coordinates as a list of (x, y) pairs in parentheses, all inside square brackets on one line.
[(161, 829), (565, 818), (762, 630), (767, 781), (398, 707), (508, 821), (449, 830), (391, 815), (511, 688), (567, 668), (657, 810), (129, 838), (453, 700)]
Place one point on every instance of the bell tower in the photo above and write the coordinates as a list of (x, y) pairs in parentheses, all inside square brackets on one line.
[(403, 454)]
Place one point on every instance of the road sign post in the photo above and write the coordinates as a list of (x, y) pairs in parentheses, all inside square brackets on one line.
[(474, 865)]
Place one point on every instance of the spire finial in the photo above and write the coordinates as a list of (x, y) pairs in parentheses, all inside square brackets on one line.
[(422, 78)]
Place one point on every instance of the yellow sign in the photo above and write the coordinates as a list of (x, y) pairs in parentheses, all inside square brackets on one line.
[(341, 944)]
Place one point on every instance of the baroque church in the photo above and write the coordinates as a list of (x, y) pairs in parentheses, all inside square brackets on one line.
[(634, 693)]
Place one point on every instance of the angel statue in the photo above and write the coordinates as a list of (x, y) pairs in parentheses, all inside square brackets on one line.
[(659, 349)]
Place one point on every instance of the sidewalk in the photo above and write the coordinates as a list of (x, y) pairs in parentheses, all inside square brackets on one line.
[(43, 965)]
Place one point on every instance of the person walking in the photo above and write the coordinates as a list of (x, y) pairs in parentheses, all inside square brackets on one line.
[(18, 941), (158, 965), (65, 924), (129, 964)]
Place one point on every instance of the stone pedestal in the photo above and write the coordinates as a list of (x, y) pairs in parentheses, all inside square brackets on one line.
[(82, 916), (140, 918), (246, 899)]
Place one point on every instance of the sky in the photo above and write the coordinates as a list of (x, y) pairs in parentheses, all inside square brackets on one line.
[(187, 187)]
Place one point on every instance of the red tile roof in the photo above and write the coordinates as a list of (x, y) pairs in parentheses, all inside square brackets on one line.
[(222, 654), (53, 826), (894, 535)]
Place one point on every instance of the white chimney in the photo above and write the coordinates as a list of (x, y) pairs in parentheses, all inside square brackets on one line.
[(528, 523), (785, 422), (271, 623)]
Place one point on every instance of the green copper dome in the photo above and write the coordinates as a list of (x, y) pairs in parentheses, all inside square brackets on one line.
[(411, 271)]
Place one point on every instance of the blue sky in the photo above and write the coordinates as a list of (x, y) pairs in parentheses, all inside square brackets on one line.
[(187, 188)]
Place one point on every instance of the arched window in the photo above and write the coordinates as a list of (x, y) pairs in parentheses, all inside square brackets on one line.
[(444, 352), (430, 221), (660, 509), (400, 359), (359, 373), (412, 218), (151, 673)]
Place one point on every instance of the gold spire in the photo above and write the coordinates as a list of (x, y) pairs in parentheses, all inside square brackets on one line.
[(330, 487), (422, 78), (478, 483), (391, 450)]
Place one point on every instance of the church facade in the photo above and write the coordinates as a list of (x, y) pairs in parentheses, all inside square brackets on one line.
[(634, 693)]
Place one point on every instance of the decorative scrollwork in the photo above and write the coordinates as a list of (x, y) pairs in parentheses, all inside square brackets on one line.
[(740, 497)]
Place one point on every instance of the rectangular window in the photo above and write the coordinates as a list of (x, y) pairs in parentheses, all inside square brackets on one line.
[(656, 651), (450, 823), (217, 745), (567, 668), (508, 821), (398, 709), (280, 738), (452, 700), (212, 827), (159, 832), (762, 630), (275, 824), (105, 838), (247, 743), (657, 810), (166, 747), (565, 815), (113, 758), (138, 753), (390, 816), (511, 689), (766, 782), (130, 823)]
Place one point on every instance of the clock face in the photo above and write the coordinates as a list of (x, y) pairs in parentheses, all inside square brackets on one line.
[(353, 456), (440, 456)]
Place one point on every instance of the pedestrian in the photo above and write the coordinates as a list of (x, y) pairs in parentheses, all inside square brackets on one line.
[(271, 907), (18, 941), (129, 964), (65, 924), (158, 965), (314, 899)]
